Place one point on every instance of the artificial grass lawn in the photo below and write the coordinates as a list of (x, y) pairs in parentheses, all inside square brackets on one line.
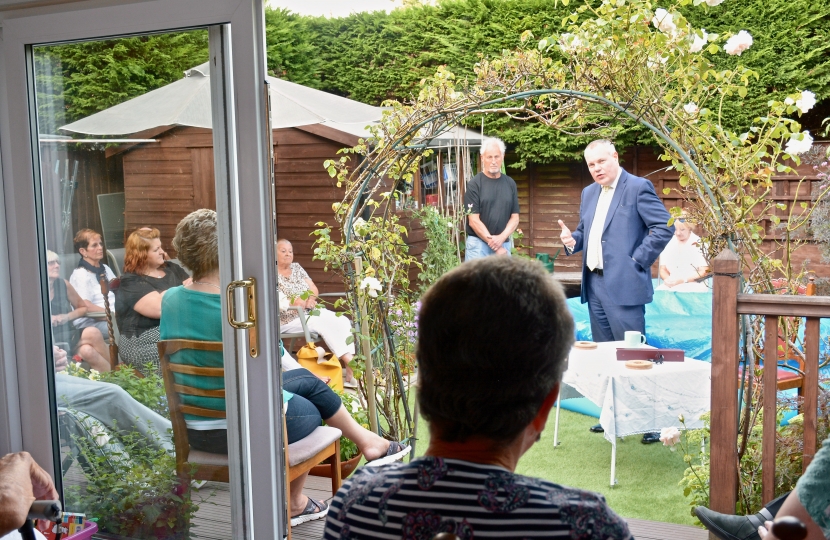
[(647, 474)]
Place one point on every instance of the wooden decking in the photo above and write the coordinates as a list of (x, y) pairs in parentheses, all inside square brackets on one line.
[(213, 520)]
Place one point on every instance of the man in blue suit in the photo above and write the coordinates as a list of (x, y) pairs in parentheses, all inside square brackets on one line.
[(622, 230)]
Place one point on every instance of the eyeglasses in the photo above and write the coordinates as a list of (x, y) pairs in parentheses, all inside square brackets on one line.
[(53, 263)]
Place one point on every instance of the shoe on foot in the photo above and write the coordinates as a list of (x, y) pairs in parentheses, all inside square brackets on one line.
[(596, 429), (727, 527), (650, 438), (313, 510), (395, 452)]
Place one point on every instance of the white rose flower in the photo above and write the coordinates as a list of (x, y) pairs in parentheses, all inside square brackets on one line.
[(713, 3), (569, 43), (359, 226), (669, 436), (372, 285), (663, 21), (799, 143), (806, 102), (789, 101), (738, 43), (698, 42), (691, 108)]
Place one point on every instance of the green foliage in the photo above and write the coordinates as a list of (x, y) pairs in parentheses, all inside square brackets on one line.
[(348, 449), (135, 493), (372, 57), (695, 454), (74, 81), (290, 48), (442, 253), (149, 390), (789, 51)]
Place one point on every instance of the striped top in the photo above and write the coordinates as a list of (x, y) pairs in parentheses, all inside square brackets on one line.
[(417, 500)]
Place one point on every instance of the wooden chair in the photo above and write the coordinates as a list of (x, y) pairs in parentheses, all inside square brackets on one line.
[(209, 466), (301, 456)]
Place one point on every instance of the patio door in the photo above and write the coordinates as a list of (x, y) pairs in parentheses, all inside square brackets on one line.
[(76, 187)]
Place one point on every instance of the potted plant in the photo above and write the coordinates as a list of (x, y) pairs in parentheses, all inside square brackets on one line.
[(350, 454), (131, 488)]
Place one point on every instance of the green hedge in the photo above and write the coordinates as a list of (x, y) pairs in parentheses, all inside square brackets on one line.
[(371, 57)]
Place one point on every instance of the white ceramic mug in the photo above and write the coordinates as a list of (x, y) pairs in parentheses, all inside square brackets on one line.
[(634, 339)]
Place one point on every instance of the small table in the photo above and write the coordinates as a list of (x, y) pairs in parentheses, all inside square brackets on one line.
[(636, 401)]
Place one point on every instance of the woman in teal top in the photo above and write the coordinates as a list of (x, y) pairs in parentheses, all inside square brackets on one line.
[(194, 311)]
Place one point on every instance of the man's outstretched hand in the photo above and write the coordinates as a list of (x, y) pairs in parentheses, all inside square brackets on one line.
[(567, 240), (22, 481)]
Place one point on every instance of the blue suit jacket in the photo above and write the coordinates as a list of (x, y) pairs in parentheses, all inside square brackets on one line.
[(634, 235)]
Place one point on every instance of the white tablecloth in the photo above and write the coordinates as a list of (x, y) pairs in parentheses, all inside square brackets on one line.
[(638, 401)]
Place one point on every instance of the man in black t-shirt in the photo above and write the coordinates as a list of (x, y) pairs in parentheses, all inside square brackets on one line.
[(492, 200)]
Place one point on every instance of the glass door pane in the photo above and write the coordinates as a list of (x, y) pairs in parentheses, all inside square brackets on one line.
[(126, 154)]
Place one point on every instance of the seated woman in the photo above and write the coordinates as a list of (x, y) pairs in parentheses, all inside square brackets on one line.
[(475, 320), (335, 331), (86, 279), (682, 262), (194, 311), (147, 276), (66, 306)]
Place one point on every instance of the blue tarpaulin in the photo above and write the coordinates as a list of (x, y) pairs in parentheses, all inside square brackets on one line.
[(676, 320)]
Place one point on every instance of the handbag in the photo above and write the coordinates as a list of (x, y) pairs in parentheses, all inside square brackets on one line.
[(321, 363)]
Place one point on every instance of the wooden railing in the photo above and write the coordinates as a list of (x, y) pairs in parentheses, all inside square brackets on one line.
[(727, 306)]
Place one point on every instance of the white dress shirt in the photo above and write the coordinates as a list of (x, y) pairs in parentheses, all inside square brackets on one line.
[(594, 251)]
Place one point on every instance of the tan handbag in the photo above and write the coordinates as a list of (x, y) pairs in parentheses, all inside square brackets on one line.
[(323, 364)]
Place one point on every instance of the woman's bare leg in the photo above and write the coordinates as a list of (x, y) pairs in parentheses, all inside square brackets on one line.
[(92, 336), (95, 360), (298, 500), (344, 361), (371, 444)]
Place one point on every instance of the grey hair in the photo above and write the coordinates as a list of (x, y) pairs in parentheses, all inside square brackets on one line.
[(601, 142), (197, 243), (489, 141), (51, 256)]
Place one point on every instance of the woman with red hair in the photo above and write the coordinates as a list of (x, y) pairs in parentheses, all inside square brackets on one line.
[(147, 276)]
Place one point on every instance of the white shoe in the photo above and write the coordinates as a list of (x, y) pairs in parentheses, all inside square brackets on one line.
[(395, 452), (313, 510)]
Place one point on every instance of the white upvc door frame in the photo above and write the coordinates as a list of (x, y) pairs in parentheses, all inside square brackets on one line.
[(241, 153)]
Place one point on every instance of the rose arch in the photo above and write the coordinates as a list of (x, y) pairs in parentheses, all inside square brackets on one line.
[(621, 61)]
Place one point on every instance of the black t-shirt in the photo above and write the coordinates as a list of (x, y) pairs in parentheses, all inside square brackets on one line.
[(133, 288), (493, 199)]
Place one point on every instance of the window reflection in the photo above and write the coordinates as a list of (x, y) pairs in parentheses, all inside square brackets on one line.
[(112, 196)]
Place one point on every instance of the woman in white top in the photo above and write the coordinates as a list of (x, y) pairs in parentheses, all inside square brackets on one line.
[(682, 262), (86, 278)]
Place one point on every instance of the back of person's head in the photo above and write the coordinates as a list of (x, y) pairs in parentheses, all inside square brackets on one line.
[(136, 248), (493, 336), (197, 243), (83, 238)]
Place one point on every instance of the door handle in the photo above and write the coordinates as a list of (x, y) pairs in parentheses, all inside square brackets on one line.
[(250, 323)]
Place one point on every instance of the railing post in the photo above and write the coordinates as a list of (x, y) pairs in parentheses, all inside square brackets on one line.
[(770, 407), (723, 487), (811, 346)]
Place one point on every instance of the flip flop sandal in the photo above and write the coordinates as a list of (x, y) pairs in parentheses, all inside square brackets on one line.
[(313, 510), (395, 452)]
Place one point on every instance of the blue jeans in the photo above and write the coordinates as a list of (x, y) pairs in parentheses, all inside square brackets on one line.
[(476, 248), (313, 402)]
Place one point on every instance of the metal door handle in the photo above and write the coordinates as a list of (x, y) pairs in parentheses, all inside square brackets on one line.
[(250, 323)]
